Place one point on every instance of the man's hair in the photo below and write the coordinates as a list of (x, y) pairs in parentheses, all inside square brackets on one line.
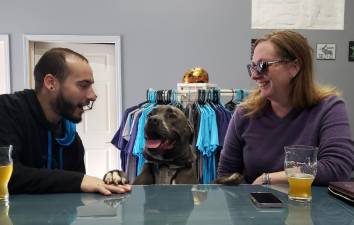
[(53, 62), (304, 92)]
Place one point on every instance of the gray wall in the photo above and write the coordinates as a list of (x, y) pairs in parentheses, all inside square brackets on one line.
[(162, 39)]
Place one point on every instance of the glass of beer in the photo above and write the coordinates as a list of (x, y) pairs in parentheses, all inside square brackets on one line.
[(5, 171), (300, 168), (4, 214)]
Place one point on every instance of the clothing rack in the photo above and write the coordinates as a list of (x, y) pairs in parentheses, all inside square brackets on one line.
[(207, 114), (186, 88), (186, 93)]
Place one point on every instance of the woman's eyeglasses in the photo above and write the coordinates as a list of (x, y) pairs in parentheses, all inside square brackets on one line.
[(261, 67)]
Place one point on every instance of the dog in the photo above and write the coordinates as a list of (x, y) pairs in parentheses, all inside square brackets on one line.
[(169, 158)]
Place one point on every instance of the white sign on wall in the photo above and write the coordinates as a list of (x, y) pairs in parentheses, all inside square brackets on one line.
[(298, 14)]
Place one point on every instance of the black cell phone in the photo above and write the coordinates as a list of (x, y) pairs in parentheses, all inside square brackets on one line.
[(266, 200)]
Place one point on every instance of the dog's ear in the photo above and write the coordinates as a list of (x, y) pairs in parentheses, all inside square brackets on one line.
[(192, 132)]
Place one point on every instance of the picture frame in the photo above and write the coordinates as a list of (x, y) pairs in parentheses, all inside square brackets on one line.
[(325, 51), (351, 51)]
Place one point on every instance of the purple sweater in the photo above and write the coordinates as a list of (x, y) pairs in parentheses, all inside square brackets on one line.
[(256, 145)]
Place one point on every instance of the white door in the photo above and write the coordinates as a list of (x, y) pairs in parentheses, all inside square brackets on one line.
[(100, 124), (2, 67), (4, 64)]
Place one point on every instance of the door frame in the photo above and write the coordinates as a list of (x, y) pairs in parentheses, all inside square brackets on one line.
[(5, 39), (115, 40)]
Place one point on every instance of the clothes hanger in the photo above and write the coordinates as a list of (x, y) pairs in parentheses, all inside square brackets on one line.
[(231, 105)]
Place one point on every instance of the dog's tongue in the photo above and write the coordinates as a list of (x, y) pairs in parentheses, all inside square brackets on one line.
[(153, 143), (159, 144)]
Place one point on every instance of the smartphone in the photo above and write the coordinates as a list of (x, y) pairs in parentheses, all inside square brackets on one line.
[(266, 200)]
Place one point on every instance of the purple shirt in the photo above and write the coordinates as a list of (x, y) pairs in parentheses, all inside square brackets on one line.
[(256, 145)]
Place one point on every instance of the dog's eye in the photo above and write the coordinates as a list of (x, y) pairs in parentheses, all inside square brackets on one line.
[(153, 111), (172, 116), (169, 110), (150, 114)]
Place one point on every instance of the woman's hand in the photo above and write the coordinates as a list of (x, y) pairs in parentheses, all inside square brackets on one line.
[(274, 178)]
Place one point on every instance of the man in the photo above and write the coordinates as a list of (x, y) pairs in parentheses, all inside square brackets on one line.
[(40, 124)]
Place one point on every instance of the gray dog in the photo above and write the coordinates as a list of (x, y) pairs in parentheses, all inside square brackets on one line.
[(168, 154)]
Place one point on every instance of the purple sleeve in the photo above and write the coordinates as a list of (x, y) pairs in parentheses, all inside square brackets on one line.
[(336, 154), (231, 159)]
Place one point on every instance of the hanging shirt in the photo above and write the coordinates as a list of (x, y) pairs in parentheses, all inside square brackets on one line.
[(139, 145)]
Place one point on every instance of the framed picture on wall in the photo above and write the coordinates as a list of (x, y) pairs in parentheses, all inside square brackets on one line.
[(325, 51), (351, 51)]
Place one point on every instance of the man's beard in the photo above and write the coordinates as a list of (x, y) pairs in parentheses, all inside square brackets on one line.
[(66, 109)]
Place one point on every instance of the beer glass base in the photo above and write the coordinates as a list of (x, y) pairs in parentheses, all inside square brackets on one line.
[(300, 199), (4, 200)]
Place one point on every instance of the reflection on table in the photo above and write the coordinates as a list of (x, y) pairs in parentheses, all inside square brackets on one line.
[(177, 204), (4, 214)]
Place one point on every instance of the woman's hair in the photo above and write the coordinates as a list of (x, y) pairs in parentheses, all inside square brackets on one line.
[(304, 92)]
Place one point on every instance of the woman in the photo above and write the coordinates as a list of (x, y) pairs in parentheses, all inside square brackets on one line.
[(287, 108)]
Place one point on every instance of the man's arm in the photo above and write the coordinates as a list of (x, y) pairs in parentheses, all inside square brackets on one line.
[(33, 180)]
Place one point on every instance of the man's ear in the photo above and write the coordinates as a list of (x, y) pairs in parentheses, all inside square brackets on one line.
[(49, 82)]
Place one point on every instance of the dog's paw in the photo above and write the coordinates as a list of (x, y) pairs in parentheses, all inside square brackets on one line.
[(233, 179), (115, 177)]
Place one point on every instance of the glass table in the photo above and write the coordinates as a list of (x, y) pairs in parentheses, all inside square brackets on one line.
[(177, 204)]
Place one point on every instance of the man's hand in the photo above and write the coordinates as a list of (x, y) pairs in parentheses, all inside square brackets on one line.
[(94, 184)]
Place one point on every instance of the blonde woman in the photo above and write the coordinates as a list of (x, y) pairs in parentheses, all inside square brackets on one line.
[(287, 108)]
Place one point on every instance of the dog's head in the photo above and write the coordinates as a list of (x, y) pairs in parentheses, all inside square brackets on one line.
[(167, 129)]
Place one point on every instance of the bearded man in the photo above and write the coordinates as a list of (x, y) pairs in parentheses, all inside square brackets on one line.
[(40, 124)]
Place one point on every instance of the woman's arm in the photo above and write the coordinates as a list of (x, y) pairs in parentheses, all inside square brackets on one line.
[(231, 158), (274, 178), (336, 148)]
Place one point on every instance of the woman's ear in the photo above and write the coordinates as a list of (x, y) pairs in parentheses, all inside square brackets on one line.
[(294, 68)]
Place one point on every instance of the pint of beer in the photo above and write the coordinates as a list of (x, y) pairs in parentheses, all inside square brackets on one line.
[(300, 167), (5, 171), (4, 214), (298, 214)]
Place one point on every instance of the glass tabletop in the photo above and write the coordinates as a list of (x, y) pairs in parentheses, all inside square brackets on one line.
[(176, 204)]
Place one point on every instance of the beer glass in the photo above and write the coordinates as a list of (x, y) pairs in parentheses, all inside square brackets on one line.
[(299, 214), (300, 168), (5, 171), (4, 214)]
